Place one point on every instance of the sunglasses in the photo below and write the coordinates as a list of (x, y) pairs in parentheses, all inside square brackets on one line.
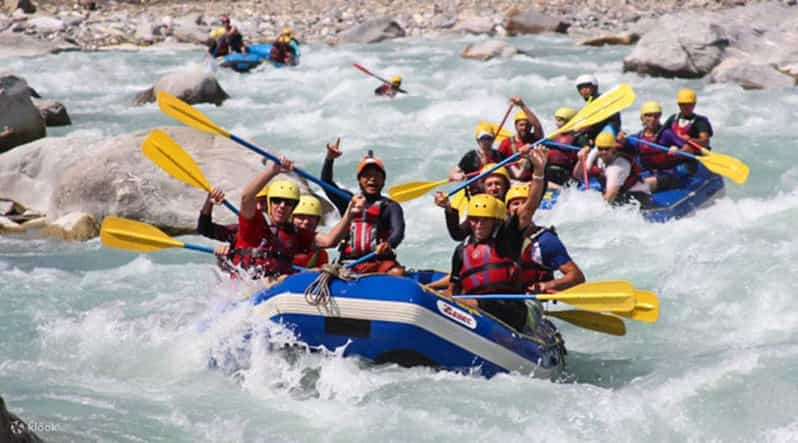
[(287, 201), (604, 149)]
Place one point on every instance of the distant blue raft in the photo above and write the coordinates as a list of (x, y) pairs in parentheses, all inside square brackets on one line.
[(256, 54), (700, 190), (389, 319)]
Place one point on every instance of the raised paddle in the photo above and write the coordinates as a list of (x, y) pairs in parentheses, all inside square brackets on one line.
[(721, 164), (363, 69), (172, 158), (501, 133), (595, 321), (598, 110), (121, 233), (646, 307), (498, 130), (603, 296), (410, 190), (188, 115)]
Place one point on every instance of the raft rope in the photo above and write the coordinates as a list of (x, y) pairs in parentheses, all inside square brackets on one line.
[(318, 292)]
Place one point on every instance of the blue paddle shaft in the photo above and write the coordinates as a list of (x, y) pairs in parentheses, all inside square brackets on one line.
[(301, 173), (366, 257), (664, 148), (231, 207), (498, 296), (200, 248), (562, 146)]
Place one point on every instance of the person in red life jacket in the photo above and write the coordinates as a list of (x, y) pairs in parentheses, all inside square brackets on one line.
[(542, 253), (487, 262), (380, 227), (475, 159), (588, 87), (205, 224), (618, 173), (284, 48), (229, 41), (528, 130), (561, 162), (688, 125), (306, 217), (537, 158), (265, 246), (663, 165), (497, 182), (389, 90)]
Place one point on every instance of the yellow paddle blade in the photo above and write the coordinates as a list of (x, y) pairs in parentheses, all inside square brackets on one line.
[(646, 307), (600, 109), (166, 153), (408, 191), (136, 236), (187, 114), (725, 165), (501, 136), (459, 202), (609, 296), (595, 321)]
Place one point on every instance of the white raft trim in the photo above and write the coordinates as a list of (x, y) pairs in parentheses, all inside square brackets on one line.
[(406, 313)]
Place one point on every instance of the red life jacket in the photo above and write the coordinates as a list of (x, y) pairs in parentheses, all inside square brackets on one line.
[(653, 158), (364, 232), (531, 270), (485, 272), (274, 255), (307, 254), (560, 157), (631, 180)]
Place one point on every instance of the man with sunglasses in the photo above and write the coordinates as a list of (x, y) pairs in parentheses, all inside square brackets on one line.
[(266, 244), (380, 226), (475, 159), (618, 172)]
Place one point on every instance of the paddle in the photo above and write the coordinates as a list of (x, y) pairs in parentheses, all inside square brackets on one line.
[(598, 110), (166, 153), (646, 307), (501, 125), (121, 233), (501, 133), (410, 190), (595, 321), (365, 258), (721, 164), (188, 115), (367, 72), (609, 296)]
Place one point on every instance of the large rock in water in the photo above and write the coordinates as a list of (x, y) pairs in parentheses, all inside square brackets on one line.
[(13, 429), (111, 176), (489, 49), (533, 22), (54, 113), (18, 114), (194, 86), (372, 31), (750, 76)]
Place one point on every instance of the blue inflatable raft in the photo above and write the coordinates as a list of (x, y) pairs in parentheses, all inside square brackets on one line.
[(389, 319), (700, 190), (256, 54)]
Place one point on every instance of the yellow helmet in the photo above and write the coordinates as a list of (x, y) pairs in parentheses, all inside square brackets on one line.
[(484, 205), (650, 108), (605, 140), (521, 115), (263, 192), (499, 171), (686, 96), (286, 189), (520, 190), (396, 80), (216, 33), (288, 32), (483, 129), (565, 113), (308, 205)]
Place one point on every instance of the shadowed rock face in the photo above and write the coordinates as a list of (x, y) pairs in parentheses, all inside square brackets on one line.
[(13, 429), (20, 121), (192, 87), (372, 31), (741, 45)]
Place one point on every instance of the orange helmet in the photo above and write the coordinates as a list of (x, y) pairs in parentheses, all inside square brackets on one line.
[(369, 159)]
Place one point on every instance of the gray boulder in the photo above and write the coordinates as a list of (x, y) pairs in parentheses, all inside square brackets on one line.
[(54, 113), (625, 38), (194, 86), (20, 45), (13, 429), (46, 24), (99, 177), (372, 31), (750, 76), (474, 24), (489, 49), (27, 6), (533, 22), (20, 121), (188, 30)]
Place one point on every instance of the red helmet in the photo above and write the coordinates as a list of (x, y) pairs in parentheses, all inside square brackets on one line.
[(369, 159)]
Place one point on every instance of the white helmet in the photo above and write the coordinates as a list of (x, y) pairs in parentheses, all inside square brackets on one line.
[(587, 79)]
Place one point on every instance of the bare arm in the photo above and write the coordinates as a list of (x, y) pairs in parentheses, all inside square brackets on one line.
[(571, 277), (248, 197), (331, 238), (538, 158)]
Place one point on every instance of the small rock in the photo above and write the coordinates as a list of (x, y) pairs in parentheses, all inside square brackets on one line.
[(489, 49), (20, 121), (26, 6), (195, 86), (474, 25), (372, 31), (533, 22), (75, 226), (750, 76), (46, 24), (53, 112), (626, 38)]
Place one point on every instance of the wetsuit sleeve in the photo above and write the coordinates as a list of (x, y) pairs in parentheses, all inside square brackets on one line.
[(468, 163), (396, 221), (457, 263), (207, 228), (552, 251), (510, 238), (700, 125), (327, 177), (456, 230)]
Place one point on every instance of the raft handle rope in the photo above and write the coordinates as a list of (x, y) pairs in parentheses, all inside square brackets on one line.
[(318, 291)]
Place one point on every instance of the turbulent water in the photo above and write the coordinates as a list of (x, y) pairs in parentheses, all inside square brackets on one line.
[(102, 345)]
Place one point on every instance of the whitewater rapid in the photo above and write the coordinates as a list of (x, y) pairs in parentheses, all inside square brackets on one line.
[(104, 345)]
